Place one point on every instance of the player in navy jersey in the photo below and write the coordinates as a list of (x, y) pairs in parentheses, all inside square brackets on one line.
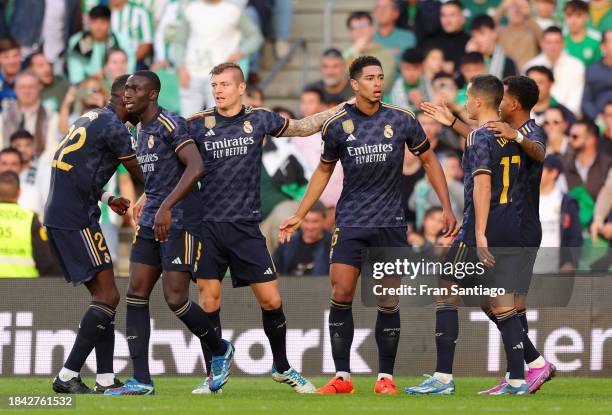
[(491, 168), (520, 95), (167, 236), (230, 137), (84, 161), (368, 138)]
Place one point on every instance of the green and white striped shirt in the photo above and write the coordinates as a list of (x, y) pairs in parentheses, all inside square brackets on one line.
[(154, 7), (134, 22)]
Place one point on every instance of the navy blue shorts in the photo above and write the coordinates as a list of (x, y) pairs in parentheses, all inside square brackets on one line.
[(181, 252), (460, 253), (528, 259), (82, 253), (504, 274), (348, 243), (239, 246)]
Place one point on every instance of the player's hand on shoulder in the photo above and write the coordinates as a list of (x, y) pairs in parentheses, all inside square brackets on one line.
[(119, 205), (502, 130), (288, 228), (161, 226)]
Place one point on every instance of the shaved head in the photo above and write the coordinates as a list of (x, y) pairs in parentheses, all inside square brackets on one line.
[(151, 77)]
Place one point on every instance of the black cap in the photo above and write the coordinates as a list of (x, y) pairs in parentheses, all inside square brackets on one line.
[(553, 161)]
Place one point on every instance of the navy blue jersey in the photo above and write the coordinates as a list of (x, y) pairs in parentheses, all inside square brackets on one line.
[(501, 159), (158, 143), (85, 160), (371, 150), (527, 196), (231, 148)]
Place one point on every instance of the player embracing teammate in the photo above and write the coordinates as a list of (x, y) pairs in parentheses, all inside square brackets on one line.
[(514, 190)]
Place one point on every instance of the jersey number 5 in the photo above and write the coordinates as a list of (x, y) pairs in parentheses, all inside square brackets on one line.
[(82, 133), (506, 161)]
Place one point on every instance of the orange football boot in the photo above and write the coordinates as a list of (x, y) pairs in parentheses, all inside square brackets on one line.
[(337, 385), (385, 386)]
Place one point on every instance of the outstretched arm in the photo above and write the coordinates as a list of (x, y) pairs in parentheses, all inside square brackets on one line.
[(444, 116), (194, 170), (534, 149), (309, 125), (317, 184), (435, 175)]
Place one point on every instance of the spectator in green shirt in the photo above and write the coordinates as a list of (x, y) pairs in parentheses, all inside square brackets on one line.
[(409, 89), (398, 40), (581, 42), (136, 24), (87, 49)]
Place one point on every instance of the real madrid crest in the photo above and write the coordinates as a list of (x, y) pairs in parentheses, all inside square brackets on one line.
[(151, 141), (247, 127), (210, 122), (388, 132), (348, 126)]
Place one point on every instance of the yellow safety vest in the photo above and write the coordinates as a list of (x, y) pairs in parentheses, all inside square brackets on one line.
[(16, 260)]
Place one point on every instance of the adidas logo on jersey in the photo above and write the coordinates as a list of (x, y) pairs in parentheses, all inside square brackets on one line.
[(518, 346), (177, 261), (268, 271), (209, 133), (351, 137)]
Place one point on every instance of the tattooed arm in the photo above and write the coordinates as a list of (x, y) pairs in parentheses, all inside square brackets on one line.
[(534, 149), (309, 125)]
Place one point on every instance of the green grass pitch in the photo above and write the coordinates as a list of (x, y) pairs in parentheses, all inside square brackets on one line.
[(260, 395)]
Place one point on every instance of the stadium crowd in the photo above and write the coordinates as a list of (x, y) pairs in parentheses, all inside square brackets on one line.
[(58, 60)]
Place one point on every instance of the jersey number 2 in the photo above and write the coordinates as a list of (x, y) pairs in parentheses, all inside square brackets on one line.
[(506, 161), (82, 133)]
